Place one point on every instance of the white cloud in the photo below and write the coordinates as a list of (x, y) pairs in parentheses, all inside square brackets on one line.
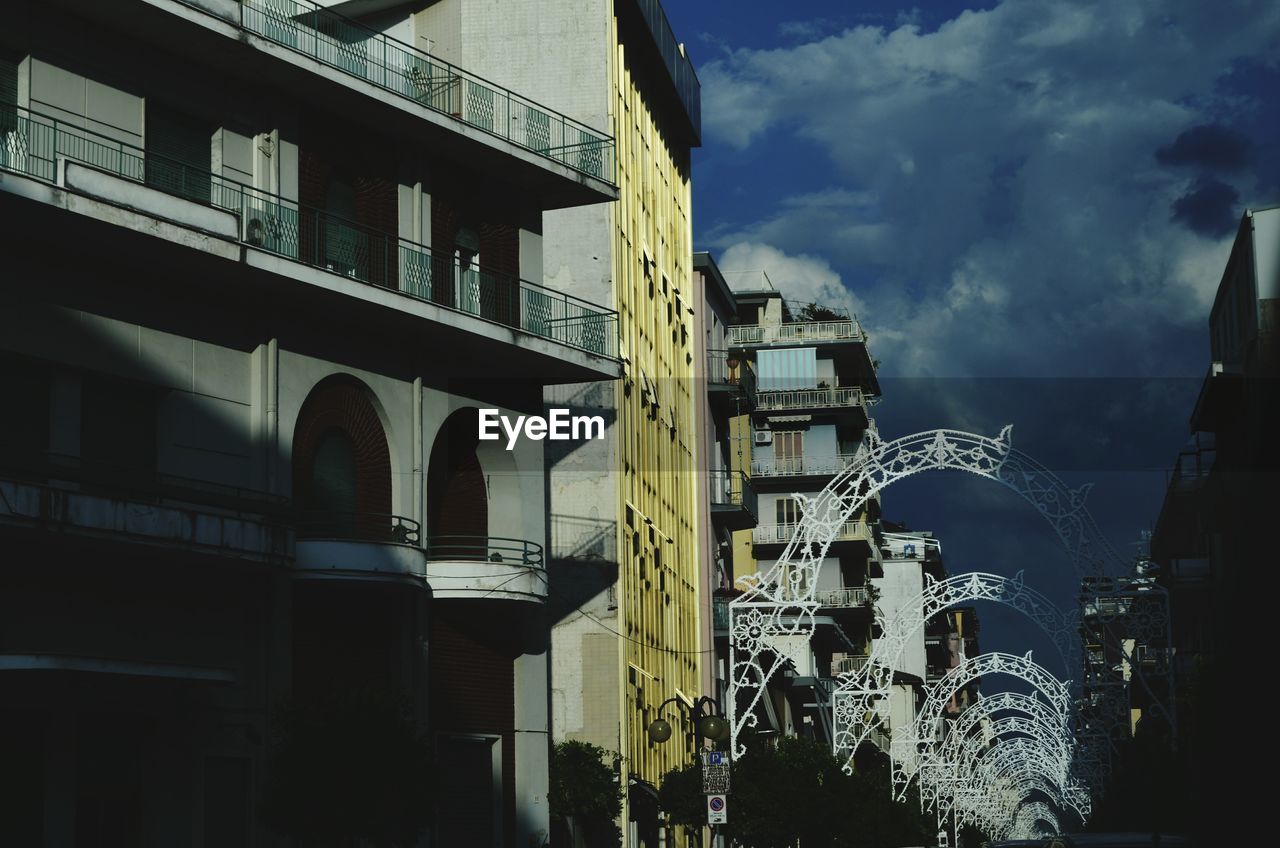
[(993, 194)]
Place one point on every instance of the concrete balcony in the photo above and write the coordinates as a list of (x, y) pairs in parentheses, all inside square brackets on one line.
[(849, 665), (489, 568), (362, 547), (777, 535), (318, 57), (64, 495), (798, 333), (843, 402), (801, 466), (733, 499), (299, 252), (848, 597)]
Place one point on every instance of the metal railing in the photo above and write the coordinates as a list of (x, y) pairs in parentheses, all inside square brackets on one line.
[(720, 613), (724, 369), (358, 526), (846, 665), (850, 596), (317, 238), (495, 549), (829, 398), (747, 335), (377, 58), (800, 466), (907, 546), (732, 488), (765, 534)]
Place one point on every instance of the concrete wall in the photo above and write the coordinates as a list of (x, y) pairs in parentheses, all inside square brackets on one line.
[(903, 582)]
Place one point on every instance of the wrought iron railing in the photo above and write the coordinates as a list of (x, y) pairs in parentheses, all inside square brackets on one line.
[(358, 527), (748, 335), (765, 534), (377, 58), (732, 488), (496, 549), (837, 397), (317, 238)]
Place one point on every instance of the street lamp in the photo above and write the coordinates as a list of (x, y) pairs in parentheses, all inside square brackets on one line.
[(711, 725)]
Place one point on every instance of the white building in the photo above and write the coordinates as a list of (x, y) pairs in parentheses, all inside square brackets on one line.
[(263, 264)]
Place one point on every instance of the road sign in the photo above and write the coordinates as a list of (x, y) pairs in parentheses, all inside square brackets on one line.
[(715, 773), (717, 809)]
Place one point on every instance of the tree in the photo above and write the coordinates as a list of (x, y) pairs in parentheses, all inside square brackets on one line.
[(584, 793), (799, 792), (817, 312), (346, 766)]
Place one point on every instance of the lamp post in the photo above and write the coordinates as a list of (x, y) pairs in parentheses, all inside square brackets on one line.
[(710, 724)]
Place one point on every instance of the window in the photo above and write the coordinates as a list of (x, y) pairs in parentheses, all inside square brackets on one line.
[(788, 451), (333, 475), (179, 153), (788, 511)]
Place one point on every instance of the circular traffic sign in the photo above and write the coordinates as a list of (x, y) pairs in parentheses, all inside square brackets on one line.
[(716, 803)]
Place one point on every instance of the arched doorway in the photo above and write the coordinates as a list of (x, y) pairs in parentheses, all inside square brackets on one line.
[(457, 491), (342, 464)]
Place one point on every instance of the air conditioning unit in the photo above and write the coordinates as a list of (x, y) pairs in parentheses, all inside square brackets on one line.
[(764, 437)]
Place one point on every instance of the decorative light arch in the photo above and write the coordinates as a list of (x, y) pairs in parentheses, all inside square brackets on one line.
[(859, 690), (779, 605)]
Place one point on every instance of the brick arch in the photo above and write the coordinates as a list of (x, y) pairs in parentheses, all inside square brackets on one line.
[(343, 404), (457, 497)]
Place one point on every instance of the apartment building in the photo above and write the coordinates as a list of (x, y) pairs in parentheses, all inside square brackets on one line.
[(265, 261), (625, 531)]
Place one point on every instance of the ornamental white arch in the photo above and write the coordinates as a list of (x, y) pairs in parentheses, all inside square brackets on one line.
[(779, 604), (858, 691)]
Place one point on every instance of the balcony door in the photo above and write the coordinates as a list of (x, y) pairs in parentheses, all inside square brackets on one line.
[(788, 451), (457, 494)]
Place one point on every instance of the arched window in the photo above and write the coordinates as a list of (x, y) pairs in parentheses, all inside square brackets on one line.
[(333, 475)]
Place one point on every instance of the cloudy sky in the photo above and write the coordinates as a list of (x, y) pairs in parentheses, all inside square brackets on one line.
[(1027, 203)]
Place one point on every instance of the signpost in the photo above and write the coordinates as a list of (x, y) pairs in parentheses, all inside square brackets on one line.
[(717, 809), (715, 773)]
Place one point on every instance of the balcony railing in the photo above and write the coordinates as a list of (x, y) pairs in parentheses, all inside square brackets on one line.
[(772, 534), (724, 369), (315, 237), (839, 397), (359, 526), (852, 596), (848, 665), (375, 57), (732, 489), (495, 549), (800, 466), (906, 546), (751, 335), (720, 613)]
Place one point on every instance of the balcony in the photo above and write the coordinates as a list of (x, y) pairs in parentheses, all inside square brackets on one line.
[(801, 466), (848, 597), (829, 399), (849, 665), (907, 546), (69, 495), (486, 568), (376, 58), (38, 146), (731, 382), (720, 614), (733, 500), (781, 534), (798, 333), (360, 546)]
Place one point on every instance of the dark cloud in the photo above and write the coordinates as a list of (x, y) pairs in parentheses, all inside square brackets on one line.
[(1208, 146), (1209, 209)]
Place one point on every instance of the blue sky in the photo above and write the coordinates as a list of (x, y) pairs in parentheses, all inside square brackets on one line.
[(1028, 204)]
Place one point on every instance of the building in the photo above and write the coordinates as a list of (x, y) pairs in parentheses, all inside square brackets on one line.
[(816, 381), (624, 510), (1214, 526), (264, 263)]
